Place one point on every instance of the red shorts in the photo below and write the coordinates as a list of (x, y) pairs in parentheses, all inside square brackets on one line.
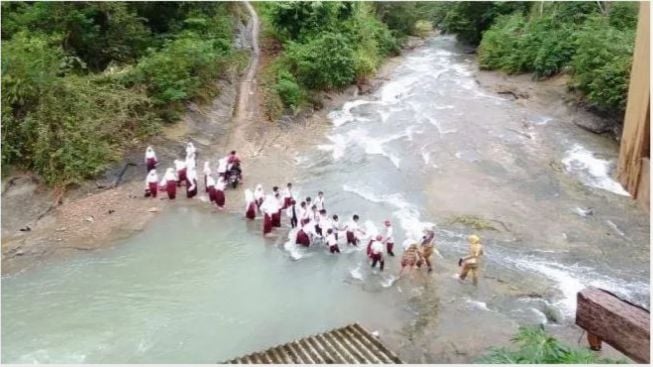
[(151, 164), (219, 198), (171, 189), (267, 224), (181, 174), (153, 187), (302, 239), (351, 238), (251, 211)]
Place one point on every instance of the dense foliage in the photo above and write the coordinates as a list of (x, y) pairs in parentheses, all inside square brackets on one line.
[(536, 346), (81, 80), (329, 45), (593, 41)]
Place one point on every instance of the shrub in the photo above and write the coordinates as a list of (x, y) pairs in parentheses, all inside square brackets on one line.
[(602, 64), (288, 90), (516, 45), (536, 346), (30, 65), (469, 19), (501, 43), (423, 28), (325, 62), (299, 20), (181, 68), (79, 125)]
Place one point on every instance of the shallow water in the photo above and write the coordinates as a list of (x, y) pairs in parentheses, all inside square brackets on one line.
[(431, 145)]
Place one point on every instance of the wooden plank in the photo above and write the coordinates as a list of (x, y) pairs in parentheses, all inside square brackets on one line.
[(643, 192), (635, 139), (621, 324)]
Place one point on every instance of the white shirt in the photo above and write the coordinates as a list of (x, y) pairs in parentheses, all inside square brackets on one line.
[(289, 210), (388, 234), (220, 185), (169, 176), (306, 214), (150, 154), (152, 177), (377, 247), (222, 165), (335, 225), (352, 226), (210, 181), (269, 205), (287, 193), (319, 203), (309, 229), (331, 240), (207, 168), (179, 165), (190, 163), (190, 150), (259, 194), (324, 223)]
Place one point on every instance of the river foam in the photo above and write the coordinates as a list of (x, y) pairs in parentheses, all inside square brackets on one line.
[(591, 171)]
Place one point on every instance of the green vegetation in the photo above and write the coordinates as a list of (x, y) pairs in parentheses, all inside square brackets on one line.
[(82, 81), (592, 41), (536, 346), (330, 45)]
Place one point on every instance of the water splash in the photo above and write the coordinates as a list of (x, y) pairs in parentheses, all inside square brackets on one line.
[(591, 171)]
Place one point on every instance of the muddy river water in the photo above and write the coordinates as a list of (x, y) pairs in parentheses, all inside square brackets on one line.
[(429, 147)]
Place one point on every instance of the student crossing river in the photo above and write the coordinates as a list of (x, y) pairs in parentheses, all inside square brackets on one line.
[(308, 220)]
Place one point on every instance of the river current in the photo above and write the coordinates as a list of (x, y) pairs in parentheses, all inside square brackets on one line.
[(429, 147)]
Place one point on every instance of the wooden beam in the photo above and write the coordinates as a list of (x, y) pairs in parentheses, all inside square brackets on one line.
[(608, 318), (635, 139)]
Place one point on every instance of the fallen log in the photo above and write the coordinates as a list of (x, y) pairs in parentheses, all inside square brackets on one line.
[(608, 318)]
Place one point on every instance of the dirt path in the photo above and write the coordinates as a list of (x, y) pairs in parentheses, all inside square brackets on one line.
[(245, 109)]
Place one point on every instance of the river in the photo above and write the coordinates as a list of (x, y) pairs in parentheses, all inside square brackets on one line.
[(429, 147)]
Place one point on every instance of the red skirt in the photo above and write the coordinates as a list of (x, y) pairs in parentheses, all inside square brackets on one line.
[(276, 219), (376, 257), (181, 174), (287, 202), (171, 189), (219, 198), (305, 221), (211, 194), (267, 224), (302, 239), (251, 211), (153, 187), (191, 193), (151, 164), (351, 239)]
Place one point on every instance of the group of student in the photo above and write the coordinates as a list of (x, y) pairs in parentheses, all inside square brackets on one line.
[(184, 173), (312, 226), (308, 218)]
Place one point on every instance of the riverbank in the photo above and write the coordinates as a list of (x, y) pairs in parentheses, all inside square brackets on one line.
[(552, 95), (97, 215)]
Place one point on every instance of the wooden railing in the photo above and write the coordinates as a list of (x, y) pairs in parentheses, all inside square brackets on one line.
[(621, 324)]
